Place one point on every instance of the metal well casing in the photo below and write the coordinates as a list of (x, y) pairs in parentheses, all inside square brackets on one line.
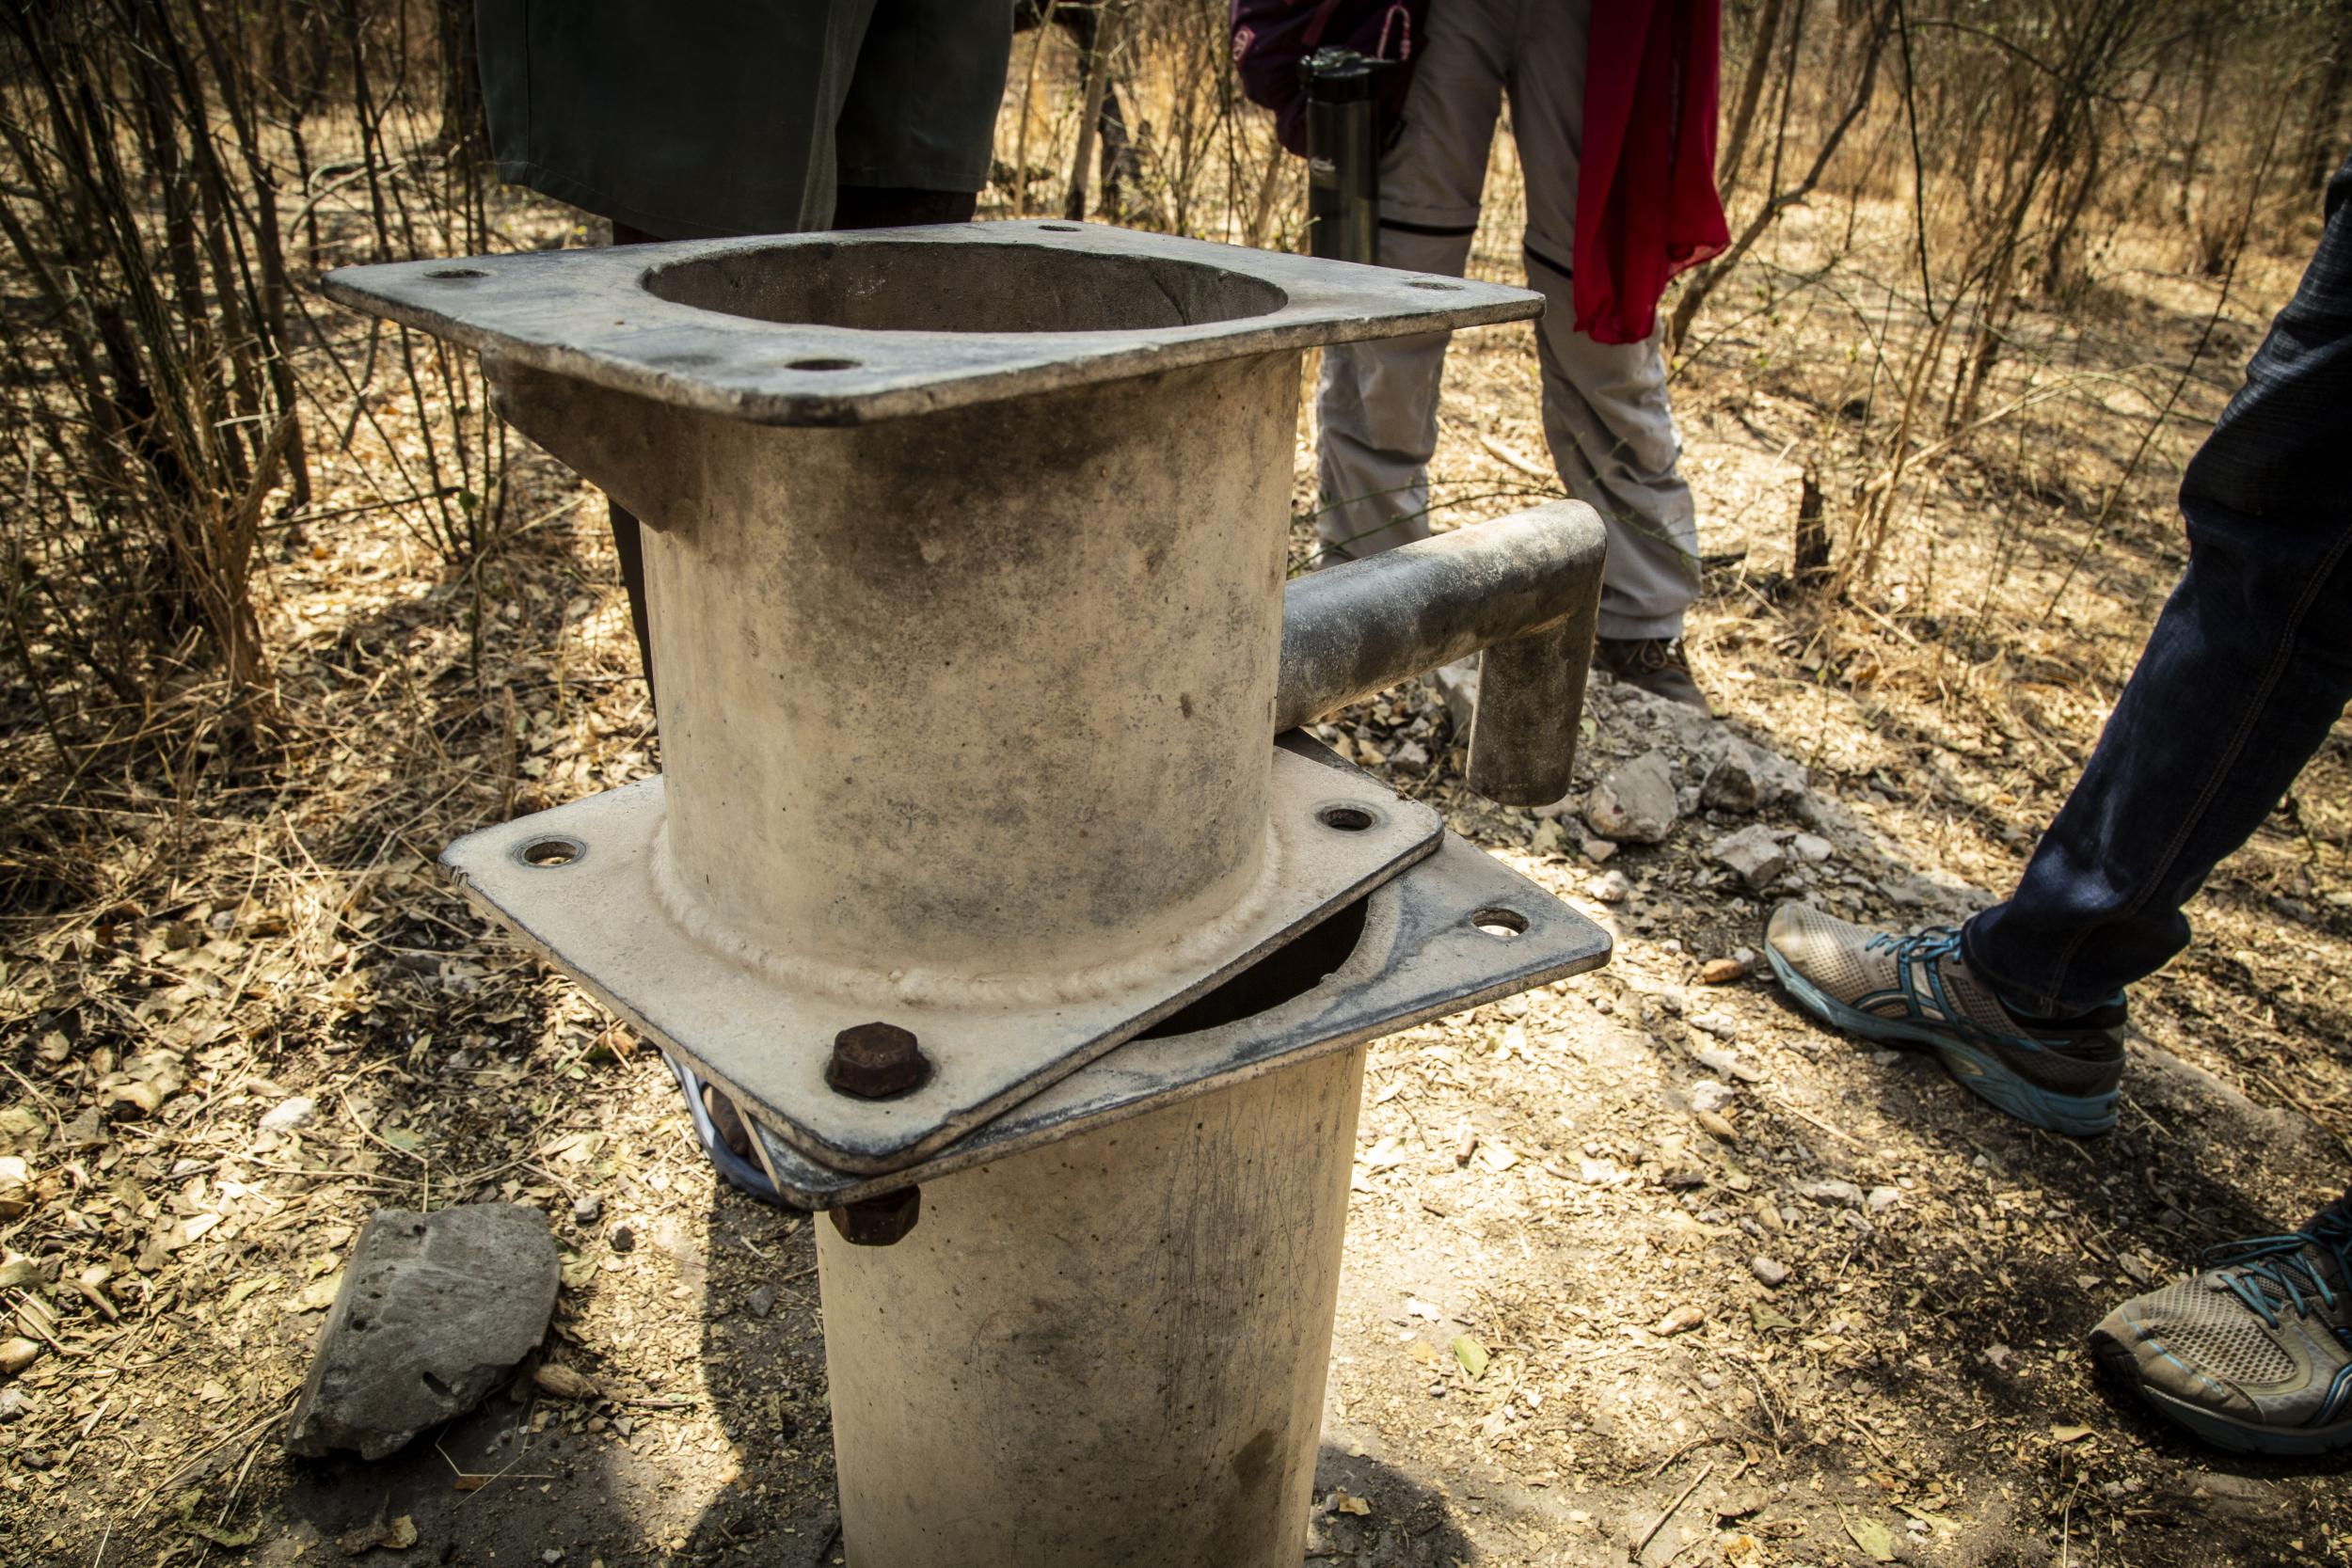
[(1110, 1350), (966, 600), (966, 707)]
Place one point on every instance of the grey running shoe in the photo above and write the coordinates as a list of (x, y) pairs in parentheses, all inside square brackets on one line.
[(2255, 1351), (1917, 990), (1655, 664)]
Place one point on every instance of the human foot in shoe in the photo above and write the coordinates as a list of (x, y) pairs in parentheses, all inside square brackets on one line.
[(2254, 1353), (1917, 990), (1658, 665)]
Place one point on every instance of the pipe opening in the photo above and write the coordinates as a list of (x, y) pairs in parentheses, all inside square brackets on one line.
[(1293, 969), (909, 286)]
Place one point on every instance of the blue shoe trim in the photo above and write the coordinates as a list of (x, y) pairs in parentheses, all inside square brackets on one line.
[(2246, 1437), (1983, 1075)]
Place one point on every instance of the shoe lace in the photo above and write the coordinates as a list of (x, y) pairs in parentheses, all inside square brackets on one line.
[(2268, 1271), (1928, 946)]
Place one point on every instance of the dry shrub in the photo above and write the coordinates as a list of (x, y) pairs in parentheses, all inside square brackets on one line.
[(169, 382)]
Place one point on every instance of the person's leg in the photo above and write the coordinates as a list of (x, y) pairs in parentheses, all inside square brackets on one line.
[(899, 206), (629, 543), (1606, 416), (691, 120), (917, 129), (1377, 406), (2249, 667)]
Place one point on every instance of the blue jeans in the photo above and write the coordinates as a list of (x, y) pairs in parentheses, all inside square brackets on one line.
[(2248, 667)]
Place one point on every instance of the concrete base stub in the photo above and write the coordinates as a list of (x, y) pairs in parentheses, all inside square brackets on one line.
[(1110, 1350)]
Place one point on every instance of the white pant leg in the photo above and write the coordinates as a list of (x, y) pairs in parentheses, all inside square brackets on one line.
[(1376, 407), (1606, 416)]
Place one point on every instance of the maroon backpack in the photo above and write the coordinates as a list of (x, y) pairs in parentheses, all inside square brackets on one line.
[(1271, 37)]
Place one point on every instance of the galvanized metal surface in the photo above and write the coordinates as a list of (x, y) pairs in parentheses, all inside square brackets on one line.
[(1525, 588), (835, 329), (577, 883), (1106, 1352), (971, 709), (1423, 954)]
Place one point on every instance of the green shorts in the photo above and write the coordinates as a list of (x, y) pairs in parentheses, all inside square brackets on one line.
[(694, 118)]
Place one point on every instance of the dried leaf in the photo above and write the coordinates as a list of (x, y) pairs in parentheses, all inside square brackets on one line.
[(318, 1296), (2069, 1434), (1471, 1355), (1876, 1541), (1681, 1321), (398, 1535), (1342, 1502), (564, 1383), (16, 1187), (236, 1293), (185, 1506)]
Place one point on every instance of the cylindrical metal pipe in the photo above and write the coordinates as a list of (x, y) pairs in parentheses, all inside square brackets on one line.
[(1525, 588), (1107, 1351), (977, 698)]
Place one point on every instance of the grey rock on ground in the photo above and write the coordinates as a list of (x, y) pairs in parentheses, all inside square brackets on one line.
[(1709, 1095), (289, 1113), (1831, 1192), (1732, 783), (1746, 777), (1634, 802), (435, 1311), (1752, 855)]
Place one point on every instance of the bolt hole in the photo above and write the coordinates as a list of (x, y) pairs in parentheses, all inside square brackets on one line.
[(821, 365), (1434, 286), (1060, 227), (1346, 819), (1503, 924), (553, 852), (451, 275)]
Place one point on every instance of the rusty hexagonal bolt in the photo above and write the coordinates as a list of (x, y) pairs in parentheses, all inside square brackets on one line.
[(874, 1061), (880, 1221)]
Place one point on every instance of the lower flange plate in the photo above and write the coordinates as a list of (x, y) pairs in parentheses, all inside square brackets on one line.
[(1456, 929)]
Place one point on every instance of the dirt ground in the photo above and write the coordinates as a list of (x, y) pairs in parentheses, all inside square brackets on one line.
[(1553, 1346)]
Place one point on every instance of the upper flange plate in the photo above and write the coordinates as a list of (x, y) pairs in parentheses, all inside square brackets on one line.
[(707, 324), (594, 911)]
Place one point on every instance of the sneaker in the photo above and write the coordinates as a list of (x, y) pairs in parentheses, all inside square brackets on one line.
[(1655, 664), (2254, 1353), (1917, 990)]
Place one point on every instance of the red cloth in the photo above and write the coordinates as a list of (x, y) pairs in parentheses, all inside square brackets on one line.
[(1645, 201)]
